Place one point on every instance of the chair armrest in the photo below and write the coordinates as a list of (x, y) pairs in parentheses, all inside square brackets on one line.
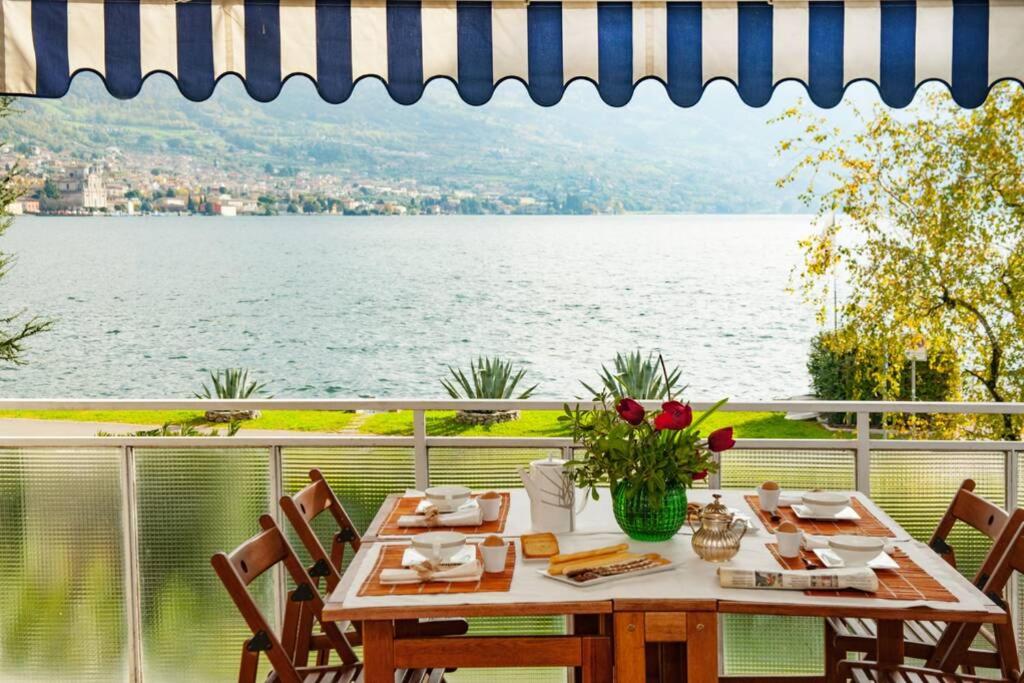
[(434, 627)]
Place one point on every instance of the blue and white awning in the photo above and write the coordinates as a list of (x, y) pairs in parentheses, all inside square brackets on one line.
[(825, 44)]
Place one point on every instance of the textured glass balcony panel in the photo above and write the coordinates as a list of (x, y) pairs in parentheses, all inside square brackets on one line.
[(62, 582), (796, 644), (792, 469), (915, 489), (193, 503), (483, 467)]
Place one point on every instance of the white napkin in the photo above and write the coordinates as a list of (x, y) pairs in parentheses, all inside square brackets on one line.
[(470, 571), (470, 516), (790, 501)]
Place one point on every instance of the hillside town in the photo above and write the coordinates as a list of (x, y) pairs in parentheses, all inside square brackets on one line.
[(116, 183)]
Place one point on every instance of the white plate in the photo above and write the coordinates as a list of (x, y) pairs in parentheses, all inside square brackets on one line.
[(832, 561), (412, 557), (424, 504), (606, 579), (846, 514)]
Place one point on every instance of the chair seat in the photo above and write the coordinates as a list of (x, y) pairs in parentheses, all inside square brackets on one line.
[(354, 674), (859, 635)]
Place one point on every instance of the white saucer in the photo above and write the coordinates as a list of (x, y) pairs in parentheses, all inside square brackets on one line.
[(832, 561), (847, 514), (468, 553)]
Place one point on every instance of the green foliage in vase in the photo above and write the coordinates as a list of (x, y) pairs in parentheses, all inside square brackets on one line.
[(488, 378), (646, 453), (636, 377), (231, 383)]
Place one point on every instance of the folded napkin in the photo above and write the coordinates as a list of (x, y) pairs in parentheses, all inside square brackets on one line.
[(469, 516), (790, 501), (470, 571)]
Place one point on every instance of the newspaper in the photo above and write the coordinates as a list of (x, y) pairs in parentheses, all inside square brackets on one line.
[(857, 578)]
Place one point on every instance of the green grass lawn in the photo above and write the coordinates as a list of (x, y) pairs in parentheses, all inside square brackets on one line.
[(294, 420), (544, 423)]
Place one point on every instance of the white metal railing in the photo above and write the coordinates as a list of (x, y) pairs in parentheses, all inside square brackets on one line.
[(861, 445)]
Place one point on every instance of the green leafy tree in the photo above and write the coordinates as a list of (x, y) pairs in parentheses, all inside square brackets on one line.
[(930, 239), (50, 189), (15, 326)]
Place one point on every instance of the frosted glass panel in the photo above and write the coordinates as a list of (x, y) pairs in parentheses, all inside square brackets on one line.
[(193, 503), (792, 469), (62, 588), (483, 467), (915, 489)]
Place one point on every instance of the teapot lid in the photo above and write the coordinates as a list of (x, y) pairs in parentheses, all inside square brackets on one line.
[(716, 509), (550, 461)]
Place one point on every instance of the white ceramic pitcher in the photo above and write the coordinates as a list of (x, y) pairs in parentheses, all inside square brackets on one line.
[(552, 495)]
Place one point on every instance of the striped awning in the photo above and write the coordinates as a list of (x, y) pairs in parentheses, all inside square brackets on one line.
[(825, 44)]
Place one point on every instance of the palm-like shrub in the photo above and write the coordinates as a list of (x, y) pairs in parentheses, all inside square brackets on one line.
[(636, 377), (488, 378), (230, 384)]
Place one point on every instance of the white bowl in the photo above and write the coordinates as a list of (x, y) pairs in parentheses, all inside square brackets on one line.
[(438, 546), (856, 551), (447, 498), (826, 503)]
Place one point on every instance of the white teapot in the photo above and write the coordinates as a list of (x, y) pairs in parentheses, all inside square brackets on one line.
[(552, 495)]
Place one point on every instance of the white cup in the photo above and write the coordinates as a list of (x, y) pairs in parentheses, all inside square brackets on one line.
[(768, 499), (789, 542), (494, 557), (490, 507)]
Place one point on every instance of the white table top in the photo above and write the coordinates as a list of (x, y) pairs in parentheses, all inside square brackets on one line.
[(691, 579)]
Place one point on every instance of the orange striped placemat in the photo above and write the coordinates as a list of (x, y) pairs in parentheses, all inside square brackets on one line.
[(909, 582), (406, 505), (867, 525), (390, 557)]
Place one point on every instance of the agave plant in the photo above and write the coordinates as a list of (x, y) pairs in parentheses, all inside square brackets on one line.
[(491, 378), (636, 377), (231, 383)]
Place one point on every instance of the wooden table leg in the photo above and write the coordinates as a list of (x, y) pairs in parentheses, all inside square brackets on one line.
[(890, 642), (630, 648), (378, 652), (702, 647)]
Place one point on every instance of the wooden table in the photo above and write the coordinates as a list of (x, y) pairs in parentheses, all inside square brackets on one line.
[(663, 622)]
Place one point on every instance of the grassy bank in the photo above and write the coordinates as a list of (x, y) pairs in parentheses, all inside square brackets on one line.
[(440, 423)]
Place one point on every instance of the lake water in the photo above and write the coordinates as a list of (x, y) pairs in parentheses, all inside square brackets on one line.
[(376, 307)]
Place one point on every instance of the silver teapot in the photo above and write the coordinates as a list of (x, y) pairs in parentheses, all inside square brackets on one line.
[(718, 536)]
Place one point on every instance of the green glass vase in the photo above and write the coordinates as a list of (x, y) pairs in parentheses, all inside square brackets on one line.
[(640, 521)]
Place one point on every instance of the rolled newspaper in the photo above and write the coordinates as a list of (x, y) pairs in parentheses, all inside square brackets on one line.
[(857, 578)]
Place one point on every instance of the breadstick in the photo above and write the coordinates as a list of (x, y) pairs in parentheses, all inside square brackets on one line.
[(591, 563), (596, 552)]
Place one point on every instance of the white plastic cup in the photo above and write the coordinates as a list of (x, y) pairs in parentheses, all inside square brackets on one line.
[(768, 499), (494, 557), (490, 507), (789, 542)]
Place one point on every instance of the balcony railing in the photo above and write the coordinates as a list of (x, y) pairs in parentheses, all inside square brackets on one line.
[(104, 571)]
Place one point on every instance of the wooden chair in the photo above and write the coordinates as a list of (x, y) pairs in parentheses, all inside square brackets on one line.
[(870, 672), (238, 569), (311, 502), (844, 635)]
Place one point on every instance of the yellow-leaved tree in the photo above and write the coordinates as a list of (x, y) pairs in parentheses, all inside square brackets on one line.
[(929, 240)]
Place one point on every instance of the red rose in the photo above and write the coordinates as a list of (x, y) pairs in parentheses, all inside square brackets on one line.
[(674, 415), (700, 475), (630, 411), (721, 440)]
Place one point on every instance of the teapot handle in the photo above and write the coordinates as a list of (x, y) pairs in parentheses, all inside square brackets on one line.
[(689, 521)]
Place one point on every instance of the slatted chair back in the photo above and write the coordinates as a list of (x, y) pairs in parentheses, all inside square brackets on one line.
[(1004, 558), (239, 568), (304, 507), (971, 509)]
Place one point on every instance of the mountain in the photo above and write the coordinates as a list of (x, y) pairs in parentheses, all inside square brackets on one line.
[(649, 156)]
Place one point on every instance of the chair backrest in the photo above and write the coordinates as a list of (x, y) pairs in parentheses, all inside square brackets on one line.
[(241, 567), (973, 510), (1005, 557), (308, 504)]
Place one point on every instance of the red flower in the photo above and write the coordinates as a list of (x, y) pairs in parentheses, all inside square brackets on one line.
[(700, 475), (721, 440), (630, 411), (673, 415)]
